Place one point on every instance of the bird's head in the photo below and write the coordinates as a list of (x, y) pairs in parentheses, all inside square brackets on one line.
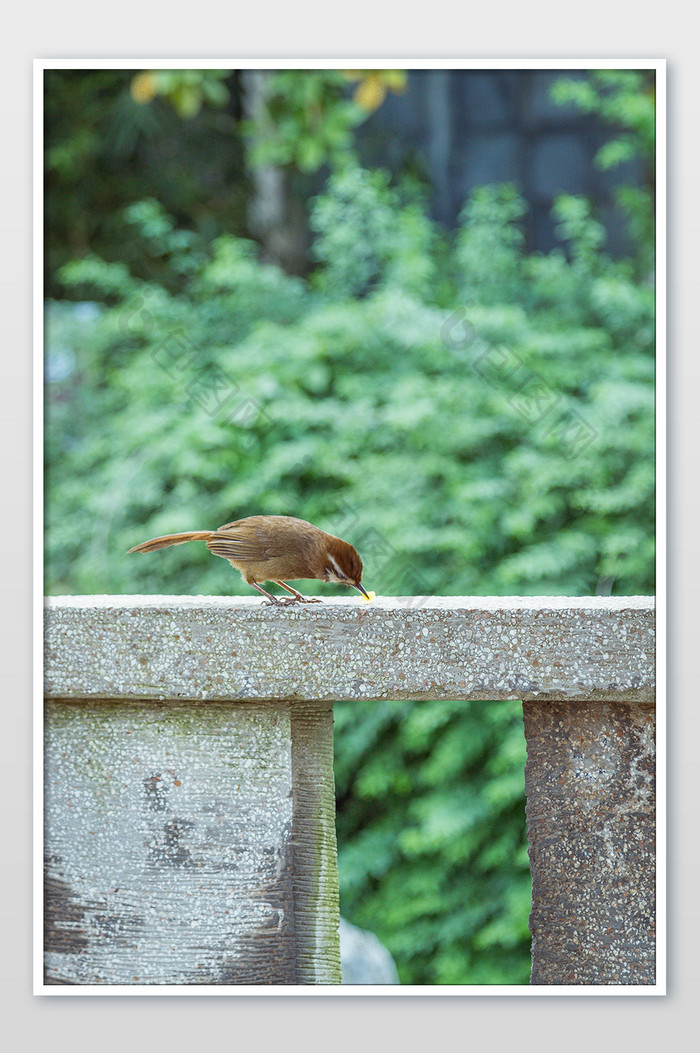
[(343, 565)]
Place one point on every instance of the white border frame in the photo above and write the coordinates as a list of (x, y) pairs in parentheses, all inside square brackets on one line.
[(40, 988)]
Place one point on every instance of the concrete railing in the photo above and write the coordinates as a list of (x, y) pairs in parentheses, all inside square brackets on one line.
[(189, 796)]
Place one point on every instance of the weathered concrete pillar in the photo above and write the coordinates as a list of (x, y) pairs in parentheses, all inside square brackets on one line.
[(189, 812), (590, 788), (190, 843)]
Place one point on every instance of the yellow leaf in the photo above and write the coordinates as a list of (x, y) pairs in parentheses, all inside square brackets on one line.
[(370, 93), (143, 87), (395, 79)]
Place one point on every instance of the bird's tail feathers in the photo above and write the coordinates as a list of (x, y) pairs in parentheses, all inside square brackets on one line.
[(171, 539)]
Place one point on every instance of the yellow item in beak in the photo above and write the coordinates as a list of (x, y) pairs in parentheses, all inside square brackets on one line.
[(369, 597)]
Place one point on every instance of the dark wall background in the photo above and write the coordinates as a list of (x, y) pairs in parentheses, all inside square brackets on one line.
[(467, 128)]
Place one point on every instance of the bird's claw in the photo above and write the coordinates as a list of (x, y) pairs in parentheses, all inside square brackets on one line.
[(286, 601)]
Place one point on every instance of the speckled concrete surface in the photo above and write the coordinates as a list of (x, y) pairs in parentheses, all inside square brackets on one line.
[(184, 846), (168, 647), (167, 844), (590, 784), (584, 669)]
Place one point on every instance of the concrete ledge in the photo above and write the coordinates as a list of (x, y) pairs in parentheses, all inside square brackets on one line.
[(219, 649)]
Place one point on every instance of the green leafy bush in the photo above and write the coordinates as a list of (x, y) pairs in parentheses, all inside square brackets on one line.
[(431, 829), (476, 420), (625, 99)]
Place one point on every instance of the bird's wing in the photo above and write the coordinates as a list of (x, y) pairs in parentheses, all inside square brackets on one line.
[(245, 540)]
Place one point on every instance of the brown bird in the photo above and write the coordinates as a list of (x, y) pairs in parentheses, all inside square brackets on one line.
[(275, 548)]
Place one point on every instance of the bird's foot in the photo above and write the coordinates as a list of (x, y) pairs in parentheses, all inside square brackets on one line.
[(298, 598), (284, 601)]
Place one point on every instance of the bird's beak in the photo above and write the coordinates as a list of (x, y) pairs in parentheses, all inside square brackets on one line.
[(362, 589)]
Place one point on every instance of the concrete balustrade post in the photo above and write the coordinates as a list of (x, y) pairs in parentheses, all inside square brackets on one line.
[(189, 828)]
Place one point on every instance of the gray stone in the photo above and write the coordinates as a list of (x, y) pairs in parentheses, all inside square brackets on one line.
[(189, 799), (590, 785), (417, 647), (363, 957), (188, 844)]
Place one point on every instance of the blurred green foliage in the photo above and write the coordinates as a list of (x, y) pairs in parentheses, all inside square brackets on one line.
[(474, 419), (487, 413), (187, 90), (624, 99), (308, 119), (431, 834), (113, 138)]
